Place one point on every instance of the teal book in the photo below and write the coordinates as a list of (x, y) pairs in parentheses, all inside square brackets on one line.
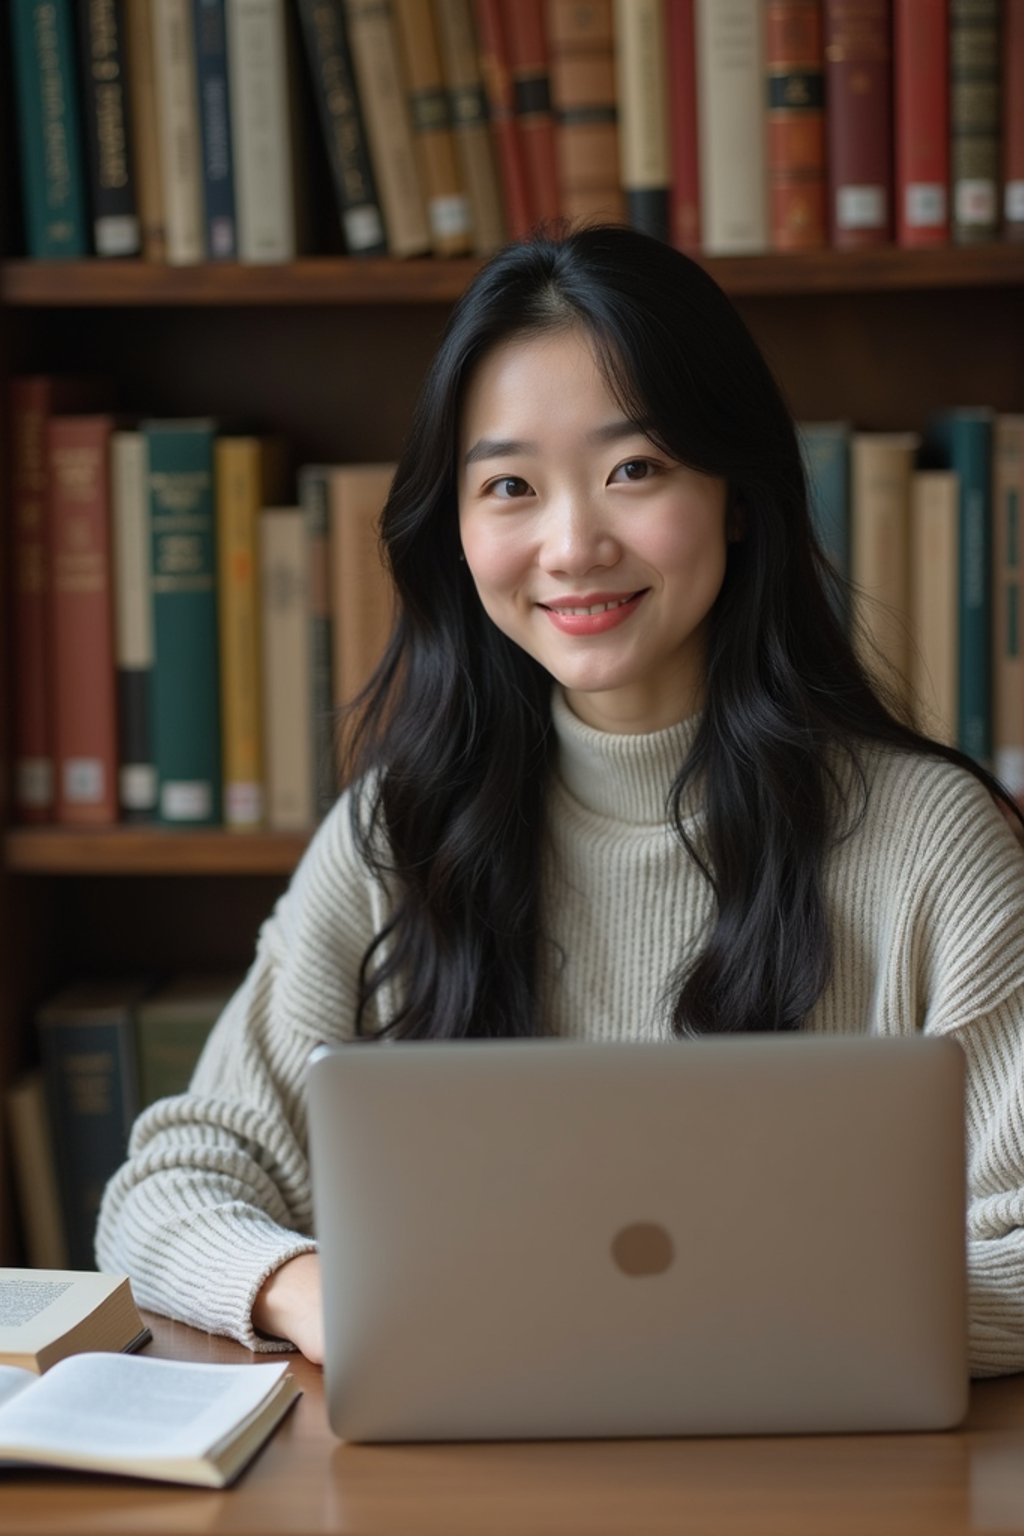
[(962, 440), (825, 446), (186, 671), (49, 129)]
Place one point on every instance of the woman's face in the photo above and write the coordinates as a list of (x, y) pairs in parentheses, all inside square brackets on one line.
[(590, 547)]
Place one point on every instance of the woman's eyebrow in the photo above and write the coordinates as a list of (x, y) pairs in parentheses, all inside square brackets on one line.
[(498, 448)]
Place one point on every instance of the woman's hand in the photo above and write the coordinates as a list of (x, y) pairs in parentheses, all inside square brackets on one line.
[(289, 1306)]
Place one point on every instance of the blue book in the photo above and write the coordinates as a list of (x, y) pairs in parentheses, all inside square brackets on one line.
[(210, 31), (49, 129), (825, 446)]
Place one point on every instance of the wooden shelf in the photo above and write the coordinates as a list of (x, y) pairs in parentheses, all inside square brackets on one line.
[(334, 281), (150, 851)]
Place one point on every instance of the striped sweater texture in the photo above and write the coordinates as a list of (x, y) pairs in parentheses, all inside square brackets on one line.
[(926, 903)]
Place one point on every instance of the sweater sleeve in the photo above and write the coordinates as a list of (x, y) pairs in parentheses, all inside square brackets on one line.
[(215, 1193), (973, 960)]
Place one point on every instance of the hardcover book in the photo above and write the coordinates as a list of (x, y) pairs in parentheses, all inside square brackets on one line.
[(795, 64), (858, 85), (133, 626), (177, 108), (642, 88), (115, 219), (581, 46), (731, 126), (49, 128), (882, 465), (934, 577), (287, 669), (468, 102), (448, 211), (974, 39), (921, 121), (214, 104)]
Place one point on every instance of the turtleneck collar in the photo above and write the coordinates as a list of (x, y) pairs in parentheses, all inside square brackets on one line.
[(627, 777)]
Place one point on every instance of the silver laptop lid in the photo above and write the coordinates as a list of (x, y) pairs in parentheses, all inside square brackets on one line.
[(542, 1238)]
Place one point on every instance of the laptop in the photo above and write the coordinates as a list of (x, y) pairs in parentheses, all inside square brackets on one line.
[(543, 1239)]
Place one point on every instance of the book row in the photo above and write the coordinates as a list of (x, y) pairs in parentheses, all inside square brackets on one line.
[(184, 635), (927, 528), (195, 130), (107, 1049)]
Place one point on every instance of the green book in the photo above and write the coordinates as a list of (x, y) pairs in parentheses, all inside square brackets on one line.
[(825, 446), (186, 672), (962, 440), (49, 129), (171, 1027)]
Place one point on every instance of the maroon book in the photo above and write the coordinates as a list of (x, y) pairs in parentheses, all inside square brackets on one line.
[(859, 120), (684, 191), (495, 67), (921, 111), (531, 87)]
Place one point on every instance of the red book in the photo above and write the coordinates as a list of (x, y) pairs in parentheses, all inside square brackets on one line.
[(1013, 119), (921, 110), (495, 66), (33, 400), (859, 118), (794, 70), (84, 668), (531, 87), (684, 191)]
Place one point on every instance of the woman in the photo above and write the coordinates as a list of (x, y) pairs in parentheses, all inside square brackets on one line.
[(620, 775)]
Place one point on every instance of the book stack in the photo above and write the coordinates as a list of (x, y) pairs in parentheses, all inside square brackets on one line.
[(185, 130), (187, 627)]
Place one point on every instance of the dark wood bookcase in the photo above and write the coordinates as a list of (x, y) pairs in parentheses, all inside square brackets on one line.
[(330, 352)]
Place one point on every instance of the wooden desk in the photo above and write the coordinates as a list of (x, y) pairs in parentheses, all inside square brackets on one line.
[(304, 1481)]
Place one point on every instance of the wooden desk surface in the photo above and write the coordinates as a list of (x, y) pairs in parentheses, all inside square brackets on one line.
[(304, 1481)]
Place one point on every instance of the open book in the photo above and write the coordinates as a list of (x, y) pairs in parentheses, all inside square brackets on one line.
[(141, 1417), (46, 1314)]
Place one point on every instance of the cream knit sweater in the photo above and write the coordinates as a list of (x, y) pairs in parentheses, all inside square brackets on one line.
[(927, 911)]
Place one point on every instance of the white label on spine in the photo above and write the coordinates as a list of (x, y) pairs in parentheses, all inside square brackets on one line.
[(137, 786), (976, 200), (1013, 201), (243, 805), (925, 204), (449, 216), (363, 228), (860, 207), (83, 780), (34, 781), (181, 800)]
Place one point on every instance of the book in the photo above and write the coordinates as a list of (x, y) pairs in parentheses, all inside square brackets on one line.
[(496, 71), (209, 23), (531, 89), (361, 591), (82, 620), (921, 121), (48, 1314), (795, 139), (684, 153), (87, 1048), (974, 65), (881, 466), (262, 116), (1013, 119), (467, 100), (35, 1173), (186, 706), (171, 1028), (825, 447), (133, 626), (314, 499), (332, 75), (732, 130), (581, 50), (287, 669), (177, 111), (49, 128), (141, 1417), (934, 517), (1008, 601), (115, 219), (642, 91), (858, 88), (145, 121), (448, 213)]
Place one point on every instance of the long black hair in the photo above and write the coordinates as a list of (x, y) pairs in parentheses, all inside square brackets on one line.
[(454, 743)]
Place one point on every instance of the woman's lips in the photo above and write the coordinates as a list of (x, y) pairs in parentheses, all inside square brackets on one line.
[(592, 613)]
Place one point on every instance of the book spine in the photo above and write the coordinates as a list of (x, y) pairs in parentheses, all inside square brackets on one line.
[(732, 128), (116, 230), (186, 715), (468, 106), (496, 69), (795, 79), (825, 447), (448, 211), (133, 627), (239, 477), (33, 723), (209, 23), (1008, 602), (974, 37), (921, 121), (49, 132), (374, 44), (859, 134), (1013, 119), (881, 466), (287, 680), (684, 200), (341, 121), (261, 130), (35, 1173), (138, 28), (85, 703), (178, 124), (90, 1073), (314, 500), (934, 511), (581, 48), (361, 593), (641, 83), (531, 88)]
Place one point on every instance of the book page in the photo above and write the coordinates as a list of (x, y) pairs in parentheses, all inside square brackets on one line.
[(130, 1406), (39, 1305), (13, 1379)]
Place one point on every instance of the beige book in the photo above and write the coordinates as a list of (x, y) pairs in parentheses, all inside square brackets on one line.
[(731, 126), (137, 788), (1008, 601), (474, 142), (261, 130), (382, 96), (448, 212), (881, 466), (361, 592), (287, 669), (138, 22), (142, 1417), (934, 569), (35, 1175), (178, 122), (642, 88), (48, 1314)]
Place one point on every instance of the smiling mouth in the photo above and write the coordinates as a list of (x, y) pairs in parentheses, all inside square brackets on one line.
[(616, 602)]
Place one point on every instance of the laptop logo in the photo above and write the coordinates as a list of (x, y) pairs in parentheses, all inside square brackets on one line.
[(643, 1248)]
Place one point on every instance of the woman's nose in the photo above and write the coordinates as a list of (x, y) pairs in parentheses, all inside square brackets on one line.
[(577, 539)]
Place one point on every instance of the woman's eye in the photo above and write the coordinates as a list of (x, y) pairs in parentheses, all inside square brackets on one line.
[(634, 469), (509, 487)]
